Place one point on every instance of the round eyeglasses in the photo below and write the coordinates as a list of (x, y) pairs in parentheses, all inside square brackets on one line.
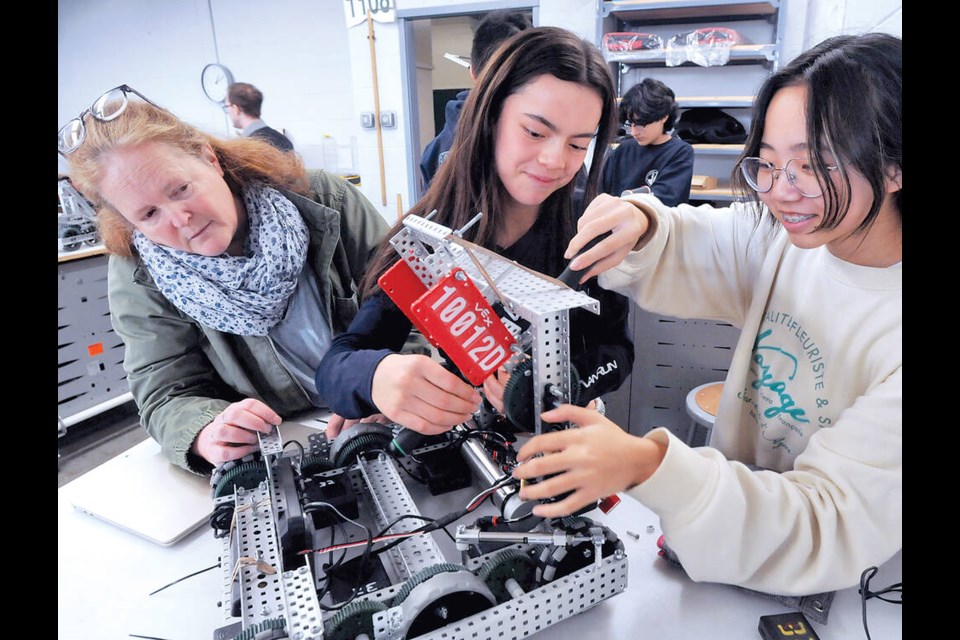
[(105, 108), (760, 175)]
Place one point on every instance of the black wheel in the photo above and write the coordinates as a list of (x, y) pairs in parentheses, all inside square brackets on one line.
[(69, 238), (353, 620), (357, 439), (556, 562), (89, 233)]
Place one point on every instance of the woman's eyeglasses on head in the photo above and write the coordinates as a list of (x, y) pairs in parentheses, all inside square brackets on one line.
[(105, 108)]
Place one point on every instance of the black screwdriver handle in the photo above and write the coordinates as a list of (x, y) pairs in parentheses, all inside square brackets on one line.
[(570, 277)]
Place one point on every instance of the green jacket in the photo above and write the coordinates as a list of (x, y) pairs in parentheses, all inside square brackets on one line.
[(183, 374)]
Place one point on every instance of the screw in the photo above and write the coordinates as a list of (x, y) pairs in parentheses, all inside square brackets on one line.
[(635, 536)]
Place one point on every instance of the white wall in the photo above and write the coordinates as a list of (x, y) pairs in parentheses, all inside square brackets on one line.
[(812, 21), (298, 52)]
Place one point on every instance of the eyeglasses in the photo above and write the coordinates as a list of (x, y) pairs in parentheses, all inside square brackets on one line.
[(627, 124), (760, 175), (106, 108), (226, 105)]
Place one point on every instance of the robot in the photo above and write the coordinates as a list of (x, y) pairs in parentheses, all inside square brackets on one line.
[(327, 540), (76, 221)]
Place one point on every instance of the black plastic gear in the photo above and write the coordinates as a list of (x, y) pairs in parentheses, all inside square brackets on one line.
[(422, 576), (353, 620), (217, 475), (509, 563), (518, 395), (247, 475), (255, 630), (315, 463), (349, 451), (357, 439)]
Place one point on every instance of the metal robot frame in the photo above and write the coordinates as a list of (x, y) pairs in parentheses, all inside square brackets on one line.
[(280, 600)]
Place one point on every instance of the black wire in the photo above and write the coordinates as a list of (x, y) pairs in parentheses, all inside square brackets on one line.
[(220, 519), (296, 442), (408, 516), (195, 573), (866, 594), (313, 506)]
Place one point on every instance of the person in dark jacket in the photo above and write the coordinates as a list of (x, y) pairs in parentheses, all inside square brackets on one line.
[(495, 27), (243, 107), (231, 269), (650, 156), (531, 124)]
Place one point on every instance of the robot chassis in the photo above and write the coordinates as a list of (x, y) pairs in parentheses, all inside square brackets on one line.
[(512, 580), (76, 220)]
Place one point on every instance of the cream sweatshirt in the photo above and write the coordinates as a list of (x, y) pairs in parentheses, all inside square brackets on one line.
[(814, 393)]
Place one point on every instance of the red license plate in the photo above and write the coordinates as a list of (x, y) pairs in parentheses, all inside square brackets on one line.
[(460, 321)]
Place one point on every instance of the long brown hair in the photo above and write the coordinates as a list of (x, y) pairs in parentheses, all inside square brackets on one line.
[(467, 181), (243, 160)]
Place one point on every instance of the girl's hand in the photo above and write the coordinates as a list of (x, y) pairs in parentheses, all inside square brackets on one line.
[(592, 462), (493, 388), (337, 424), (416, 392), (627, 223)]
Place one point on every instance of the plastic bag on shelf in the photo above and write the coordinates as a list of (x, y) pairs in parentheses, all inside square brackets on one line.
[(707, 47), (631, 41)]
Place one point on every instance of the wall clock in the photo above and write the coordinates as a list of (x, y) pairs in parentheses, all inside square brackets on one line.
[(216, 79)]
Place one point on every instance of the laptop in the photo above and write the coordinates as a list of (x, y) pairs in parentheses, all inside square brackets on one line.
[(140, 491)]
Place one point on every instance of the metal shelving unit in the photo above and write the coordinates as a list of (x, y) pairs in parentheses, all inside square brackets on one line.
[(730, 87)]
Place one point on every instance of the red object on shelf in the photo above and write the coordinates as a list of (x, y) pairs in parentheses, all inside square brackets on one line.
[(631, 41)]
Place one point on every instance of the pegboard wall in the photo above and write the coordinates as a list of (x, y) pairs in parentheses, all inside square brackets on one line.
[(672, 357), (89, 353)]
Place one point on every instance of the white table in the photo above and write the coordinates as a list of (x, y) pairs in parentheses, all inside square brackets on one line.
[(105, 574)]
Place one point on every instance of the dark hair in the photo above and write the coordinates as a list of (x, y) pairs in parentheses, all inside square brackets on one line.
[(495, 27), (647, 102), (854, 112), (247, 97), (467, 181)]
